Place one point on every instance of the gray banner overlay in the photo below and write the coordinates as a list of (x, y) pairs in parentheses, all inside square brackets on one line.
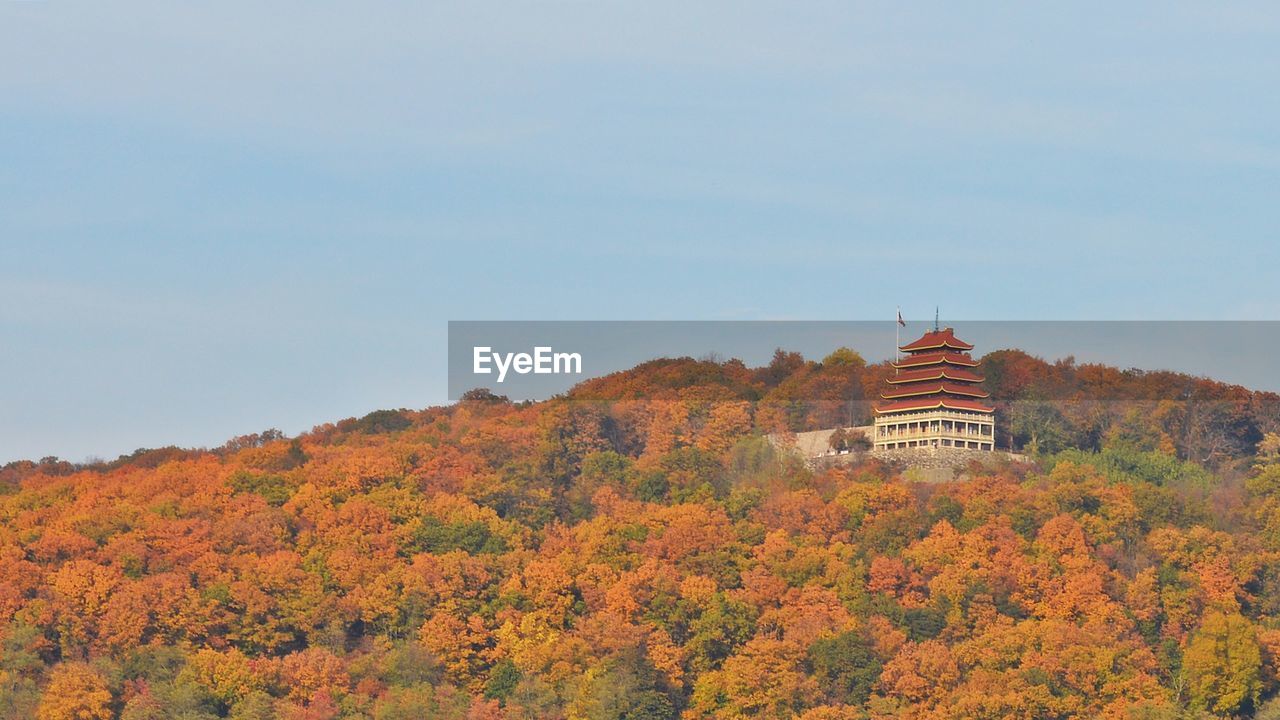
[(539, 359)]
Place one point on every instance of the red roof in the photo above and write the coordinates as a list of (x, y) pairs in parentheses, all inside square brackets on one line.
[(936, 373), (935, 358), (936, 340), (931, 403), (929, 388)]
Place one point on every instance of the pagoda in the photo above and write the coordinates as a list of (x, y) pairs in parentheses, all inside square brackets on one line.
[(934, 399)]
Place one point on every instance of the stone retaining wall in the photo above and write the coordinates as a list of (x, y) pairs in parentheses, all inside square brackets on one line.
[(937, 457), (933, 464)]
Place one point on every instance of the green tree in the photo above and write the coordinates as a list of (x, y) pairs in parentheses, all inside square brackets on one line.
[(435, 536), (630, 688), (714, 634), (383, 421), (1039, 427), (20, 667), (257, 705), (691, 473), (502, 681), (1223, 664), (845, 667), (844, 357)]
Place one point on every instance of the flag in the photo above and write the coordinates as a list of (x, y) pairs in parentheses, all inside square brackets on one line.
[(901, 322)]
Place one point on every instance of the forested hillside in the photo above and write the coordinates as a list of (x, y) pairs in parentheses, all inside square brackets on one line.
[(638, 549)]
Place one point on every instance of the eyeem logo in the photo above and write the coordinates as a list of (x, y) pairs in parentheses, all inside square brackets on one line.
[(543, 361)]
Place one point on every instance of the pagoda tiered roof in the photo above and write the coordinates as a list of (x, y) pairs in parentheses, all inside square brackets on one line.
[(936, 358), (937, 340), (934, 403), (935, 373), (916, 389)]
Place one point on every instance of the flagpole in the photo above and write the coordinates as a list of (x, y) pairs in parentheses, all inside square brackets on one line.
[(897, 340)]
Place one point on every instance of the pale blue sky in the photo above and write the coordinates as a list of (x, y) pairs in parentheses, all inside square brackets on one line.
[(221, 217)]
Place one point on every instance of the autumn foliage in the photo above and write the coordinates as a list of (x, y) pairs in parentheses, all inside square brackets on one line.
[(642, 549)]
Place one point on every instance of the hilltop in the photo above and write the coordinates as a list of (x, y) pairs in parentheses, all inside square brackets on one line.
[(636, 548)]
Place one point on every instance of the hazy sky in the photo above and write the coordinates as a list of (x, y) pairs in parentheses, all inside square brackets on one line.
[(221, 217)]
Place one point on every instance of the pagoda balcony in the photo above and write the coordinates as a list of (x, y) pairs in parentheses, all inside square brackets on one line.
[(920, 415), (923, 434)]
